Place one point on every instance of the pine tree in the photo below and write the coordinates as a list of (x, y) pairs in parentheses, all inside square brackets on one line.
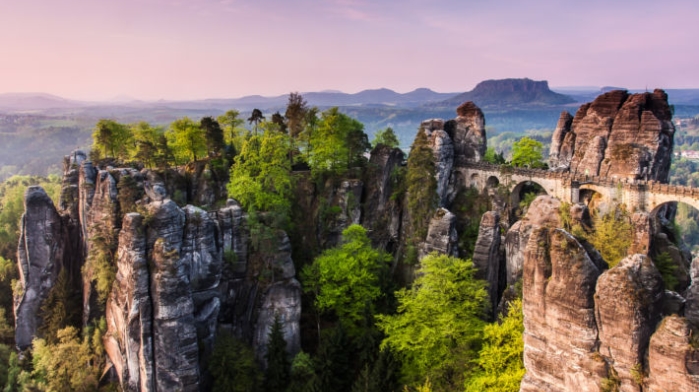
[(278, 373)]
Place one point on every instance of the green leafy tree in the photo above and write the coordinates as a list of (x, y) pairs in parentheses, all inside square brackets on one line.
[(612, 235), (186, 139), (303, 376), (311, 125), (421, 185), (527, 152), (232, 366), (278, 374), (382, 376), (337, 143), (213, 134), (59, 309), (145, 143), (70, 364), (437, 330), (112, 139), (346, 280), (500, 361), (386, 137), (491, 156), (261, 176), (332, 362), (233, 131)]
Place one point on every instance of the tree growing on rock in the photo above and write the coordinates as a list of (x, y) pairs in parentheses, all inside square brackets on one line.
[(278, 374), (527, 152), (213, 134), (337, 143), (421, 185), (386, 137), (112, 139), (187, 140)]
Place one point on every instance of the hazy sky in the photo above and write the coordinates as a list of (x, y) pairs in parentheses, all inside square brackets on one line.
[(152, 49)]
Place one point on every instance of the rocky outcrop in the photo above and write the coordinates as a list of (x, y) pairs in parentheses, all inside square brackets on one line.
[(628, 302), (560, 334), (556, 160), (487, 257), (129, 311), (443, 149), (467, 131), (542, 212), (40, 257), (441, 235), (342, 209), (692, 294), (617, 135), (383, 222), (673, 357)]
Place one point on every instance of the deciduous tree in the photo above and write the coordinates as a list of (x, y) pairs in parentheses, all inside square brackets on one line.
[(386, 137), (186, 139), (527, 152)]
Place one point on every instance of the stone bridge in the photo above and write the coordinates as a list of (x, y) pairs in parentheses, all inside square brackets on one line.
[(572, 188)]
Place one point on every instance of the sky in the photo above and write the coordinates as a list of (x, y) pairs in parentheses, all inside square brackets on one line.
[(196, 49)]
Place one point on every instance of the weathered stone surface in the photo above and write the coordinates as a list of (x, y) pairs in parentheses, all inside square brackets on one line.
[(347, 198), (673, 359), (40, 259), (383, 218), (467, 131), (542, 212), (560, 334), (691, 310), (232, 222), (556, 161), (486, 255), (443, 149), (282, 299), (641, 233), (618, 135), (441, 235), (628, 303), (129, 314)]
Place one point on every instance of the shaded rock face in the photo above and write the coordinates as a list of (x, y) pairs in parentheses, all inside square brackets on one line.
[(40, 258), (617, 135), (487, 255), (441, 235), (383, 223), (628, 302), (542, 212), (443, 149), (344, 206), (181, 273), (560, 334), (556, 161)]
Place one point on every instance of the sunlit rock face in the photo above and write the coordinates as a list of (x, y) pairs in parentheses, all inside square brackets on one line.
[(628, 136)]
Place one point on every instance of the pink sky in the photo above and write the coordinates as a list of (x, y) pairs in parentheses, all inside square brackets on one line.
[(191, 49)]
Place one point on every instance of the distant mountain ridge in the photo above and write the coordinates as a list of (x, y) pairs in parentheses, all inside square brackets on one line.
[(510, 92)]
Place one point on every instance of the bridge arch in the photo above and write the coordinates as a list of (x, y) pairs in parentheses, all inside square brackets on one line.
[(522, 188), (685, 218), (492, 182), (596, 198)]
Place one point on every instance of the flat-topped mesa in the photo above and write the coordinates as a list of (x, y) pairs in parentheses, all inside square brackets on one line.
[(618, 135)]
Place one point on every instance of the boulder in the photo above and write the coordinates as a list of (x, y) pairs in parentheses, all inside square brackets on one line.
[(467, 131)]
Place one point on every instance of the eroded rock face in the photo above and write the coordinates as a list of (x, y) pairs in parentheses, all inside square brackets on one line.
[(129, 312), (441, 235), (628, 302), (467, 131), (384, 221), (556, 160), (617, 135), (487, 256), (40, 259), (542, 212), (673, 359), (560, 334), (282, 299), (443, 149)]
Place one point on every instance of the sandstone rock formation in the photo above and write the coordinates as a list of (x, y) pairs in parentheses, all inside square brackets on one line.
[(443, 148), (41, 258), (487, 256), (383, 221), (673, 357), (617, 135), (467, 131), (441, 235), (560, 331)]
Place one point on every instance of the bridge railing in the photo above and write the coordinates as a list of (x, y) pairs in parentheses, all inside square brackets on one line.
[(626, 183)]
